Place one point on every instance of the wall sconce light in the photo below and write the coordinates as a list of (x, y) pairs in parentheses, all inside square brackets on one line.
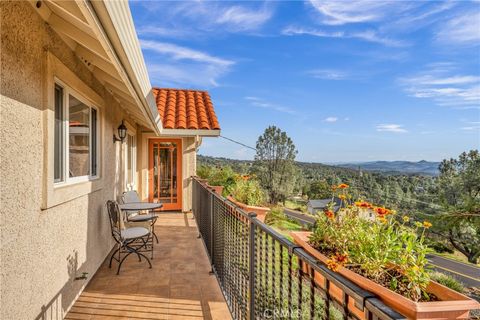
[(122, 133)]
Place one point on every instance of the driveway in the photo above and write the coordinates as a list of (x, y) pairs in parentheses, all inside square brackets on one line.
[(300, 217), (466, 273)]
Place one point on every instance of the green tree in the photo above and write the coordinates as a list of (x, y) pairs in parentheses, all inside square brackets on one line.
[(274, 164), (459, 193), (319, 190)]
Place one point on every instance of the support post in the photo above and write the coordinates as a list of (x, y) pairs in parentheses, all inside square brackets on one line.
[(251, 278)]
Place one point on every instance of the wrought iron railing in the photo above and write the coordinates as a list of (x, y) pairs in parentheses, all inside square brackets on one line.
[(263, 275)]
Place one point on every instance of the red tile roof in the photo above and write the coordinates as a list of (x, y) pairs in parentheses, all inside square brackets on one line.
[(185, 109)]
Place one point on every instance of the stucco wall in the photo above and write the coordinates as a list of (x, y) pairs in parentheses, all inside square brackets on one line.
[(41, 251)]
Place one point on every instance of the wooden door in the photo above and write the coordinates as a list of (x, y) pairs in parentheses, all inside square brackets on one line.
[(165, 173)]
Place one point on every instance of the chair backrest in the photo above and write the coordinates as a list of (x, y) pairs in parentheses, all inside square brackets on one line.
[(114, 216), (130, 196)]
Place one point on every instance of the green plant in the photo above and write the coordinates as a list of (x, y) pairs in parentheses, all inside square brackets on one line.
[(219, 176), (248, 191), (383, 249), (447, 281)]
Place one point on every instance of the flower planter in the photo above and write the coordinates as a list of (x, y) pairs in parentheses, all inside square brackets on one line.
[(452, 305), (260, 211), (217, 189)]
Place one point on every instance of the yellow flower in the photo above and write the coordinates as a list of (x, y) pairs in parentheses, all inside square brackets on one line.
[(426, 224), (418, 224), (382, 219), (333, 265), (406, 219), (342, 197)]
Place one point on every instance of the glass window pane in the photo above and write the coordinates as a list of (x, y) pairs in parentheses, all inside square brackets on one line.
[(58, 133), (94, 142), (79, 138)]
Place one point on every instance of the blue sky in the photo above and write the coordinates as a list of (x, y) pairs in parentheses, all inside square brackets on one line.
[(348, 81)]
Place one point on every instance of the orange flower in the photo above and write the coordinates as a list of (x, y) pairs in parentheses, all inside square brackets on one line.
[(333, 265), (341, 258), (342, 186), (342, 197), (245, 177), (363, 204), (426, 224), (330, 215), (382, 211)]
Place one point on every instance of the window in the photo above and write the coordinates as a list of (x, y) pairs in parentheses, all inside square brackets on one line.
[(130, 161), (77, 120), (59, 135)]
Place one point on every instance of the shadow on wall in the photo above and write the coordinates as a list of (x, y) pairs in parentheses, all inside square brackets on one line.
[(97, 235)]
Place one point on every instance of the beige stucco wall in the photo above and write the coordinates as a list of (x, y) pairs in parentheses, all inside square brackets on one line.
[(41, 251), (188, 166)]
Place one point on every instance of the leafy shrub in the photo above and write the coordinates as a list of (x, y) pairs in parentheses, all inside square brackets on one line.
[(439, 247), (248, 191), (219, 176), (447, 281), (389, 252)]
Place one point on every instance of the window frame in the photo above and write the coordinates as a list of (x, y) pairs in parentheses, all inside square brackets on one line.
[(130, 182), (67, 180)]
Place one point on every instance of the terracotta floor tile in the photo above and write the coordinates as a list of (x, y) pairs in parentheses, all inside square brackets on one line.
[(178, 286)]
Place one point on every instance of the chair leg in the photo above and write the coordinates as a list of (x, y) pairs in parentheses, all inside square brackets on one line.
[(111, 257), (120, 264)]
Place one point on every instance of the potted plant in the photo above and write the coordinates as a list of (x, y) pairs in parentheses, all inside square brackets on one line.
[(249, 196), (384, 254)]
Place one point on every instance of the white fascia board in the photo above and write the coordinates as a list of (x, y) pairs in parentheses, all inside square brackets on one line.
[(190, 133), (116, 23)]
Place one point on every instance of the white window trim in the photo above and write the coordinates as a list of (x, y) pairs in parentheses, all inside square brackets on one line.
[(67, 180), (54, 194), (133, 184)]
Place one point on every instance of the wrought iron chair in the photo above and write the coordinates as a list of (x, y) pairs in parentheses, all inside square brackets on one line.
[(137, 217), (129, 240)]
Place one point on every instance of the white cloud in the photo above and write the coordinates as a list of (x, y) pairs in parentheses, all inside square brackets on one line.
[(194, 18), (331, 119), (343, 12), (328, 74), (183, 53), (240, 18), (177, 65), (445, 85), (261, 103), (367, 35), (396, 128), (461, 29)]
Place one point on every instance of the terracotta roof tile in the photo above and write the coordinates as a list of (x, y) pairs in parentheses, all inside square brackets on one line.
[(185, 109)]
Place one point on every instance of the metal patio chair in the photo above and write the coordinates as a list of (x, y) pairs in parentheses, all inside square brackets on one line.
[(129, 240), (138, 217)]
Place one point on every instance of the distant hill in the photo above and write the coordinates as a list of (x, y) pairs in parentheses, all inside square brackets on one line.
[(386, 167), (405, 167)]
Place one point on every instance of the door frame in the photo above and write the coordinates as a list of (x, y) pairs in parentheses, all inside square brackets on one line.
[(167, 206)]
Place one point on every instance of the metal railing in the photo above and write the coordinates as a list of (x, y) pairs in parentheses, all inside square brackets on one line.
[(263, 275)]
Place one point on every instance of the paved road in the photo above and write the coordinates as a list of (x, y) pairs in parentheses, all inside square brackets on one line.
[(468, 274), (301, 218), (463, 272)]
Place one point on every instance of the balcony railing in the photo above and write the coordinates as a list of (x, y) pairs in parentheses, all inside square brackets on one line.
[(263, 275)]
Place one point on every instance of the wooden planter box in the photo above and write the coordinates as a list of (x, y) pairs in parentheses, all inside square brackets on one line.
[(452, 304), (260, 211)]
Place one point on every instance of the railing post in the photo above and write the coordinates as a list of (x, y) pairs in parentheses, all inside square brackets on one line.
[(251, 278), (211, 231)]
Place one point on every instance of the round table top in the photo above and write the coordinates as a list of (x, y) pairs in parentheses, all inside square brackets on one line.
[(138, 206)]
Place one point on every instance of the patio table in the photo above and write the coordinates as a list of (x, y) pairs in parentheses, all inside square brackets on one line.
[(140, 206)]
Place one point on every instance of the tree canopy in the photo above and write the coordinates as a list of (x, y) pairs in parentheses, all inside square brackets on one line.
[(274, 164)]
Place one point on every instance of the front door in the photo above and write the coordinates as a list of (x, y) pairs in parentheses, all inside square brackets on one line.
[(165, 173)]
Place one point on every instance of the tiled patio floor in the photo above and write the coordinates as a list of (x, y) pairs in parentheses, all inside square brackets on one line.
[(177, 287)]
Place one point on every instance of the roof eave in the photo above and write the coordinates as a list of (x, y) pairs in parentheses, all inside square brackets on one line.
[(190, 132), (115, 28)]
